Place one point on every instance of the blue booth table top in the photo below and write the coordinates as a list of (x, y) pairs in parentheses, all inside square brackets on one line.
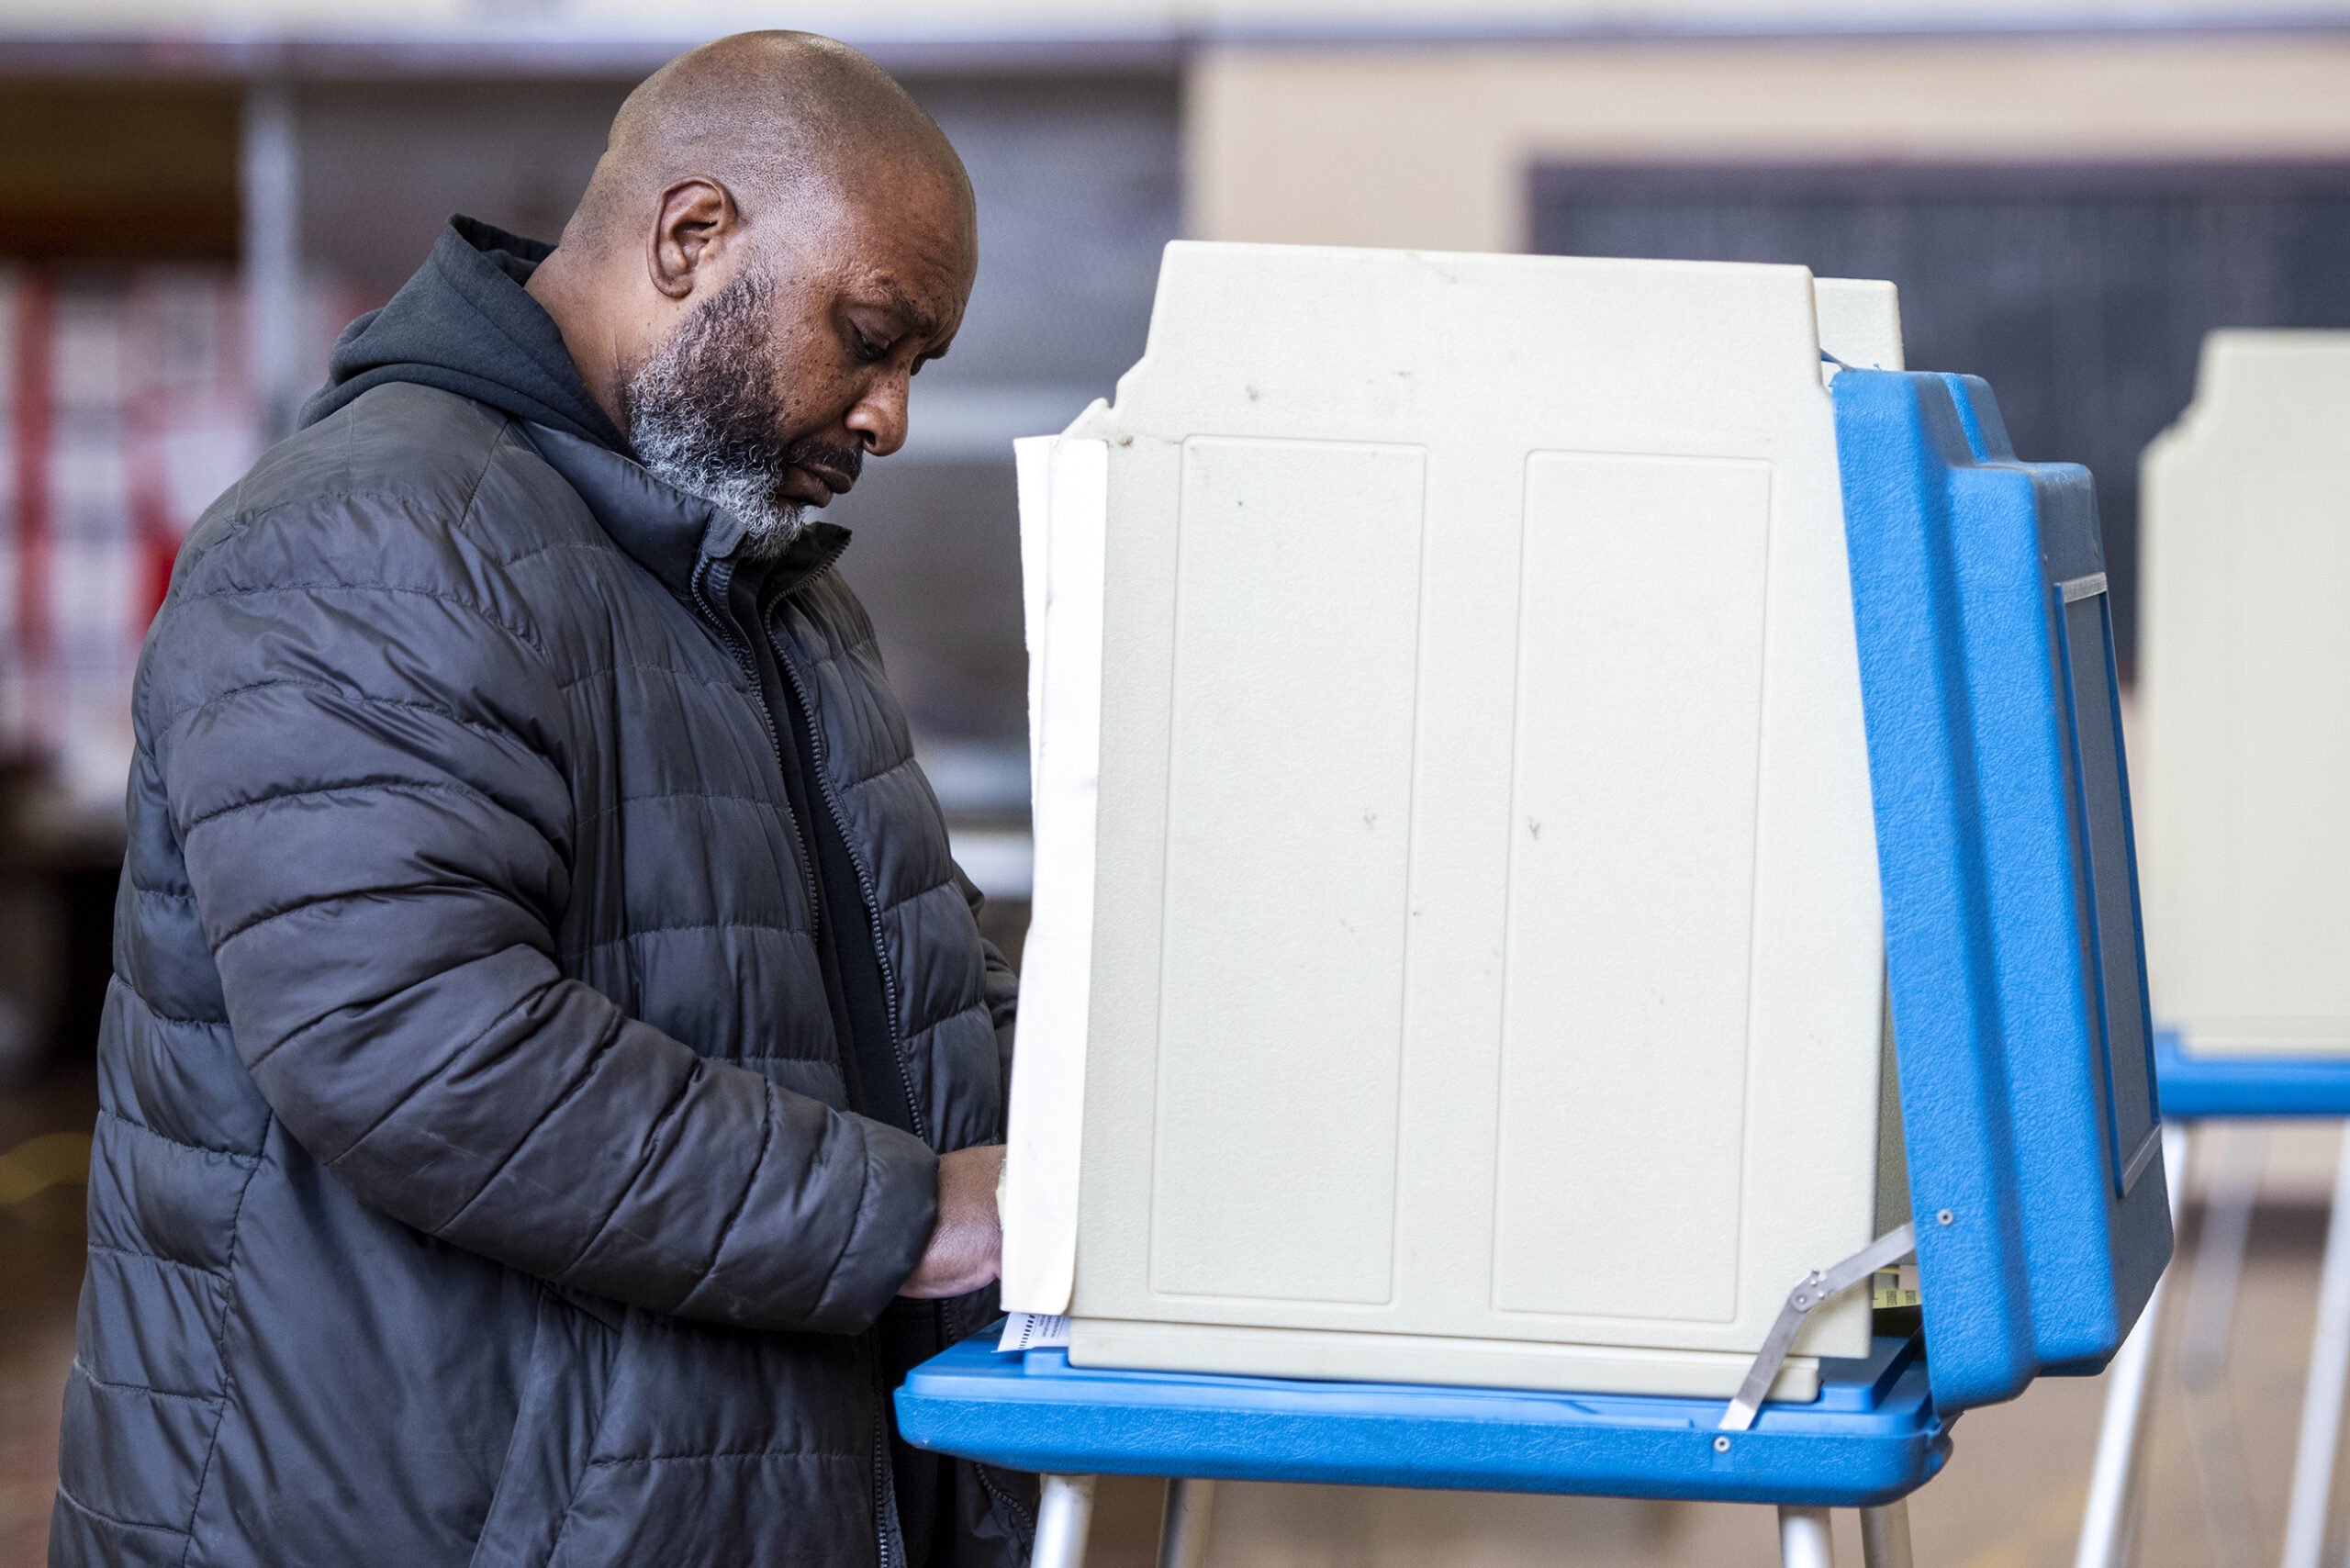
[(2248, 1086), (1872, 1435)]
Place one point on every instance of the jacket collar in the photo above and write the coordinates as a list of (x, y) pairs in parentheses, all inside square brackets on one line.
[(671, 533)]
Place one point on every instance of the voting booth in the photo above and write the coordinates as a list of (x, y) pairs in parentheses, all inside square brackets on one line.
[(1483, 982), (2244, 687), (1580, 813), (2243, 695)]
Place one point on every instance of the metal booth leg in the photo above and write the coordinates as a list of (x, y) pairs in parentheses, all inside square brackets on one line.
[(2206, 1322), (1063, 1515), (1184, 1530), (2114, 1475), (2322, 1404), (1805, 1541), (1884, 1536)]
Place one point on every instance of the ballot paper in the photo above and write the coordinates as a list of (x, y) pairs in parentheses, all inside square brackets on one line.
[(1032, 1331), (1457, 955)]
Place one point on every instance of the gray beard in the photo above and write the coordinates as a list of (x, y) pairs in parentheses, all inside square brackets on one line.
[(672, 450), (702, 418)]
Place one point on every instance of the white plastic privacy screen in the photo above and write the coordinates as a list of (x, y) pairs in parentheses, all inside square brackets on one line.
[(1457, 952)]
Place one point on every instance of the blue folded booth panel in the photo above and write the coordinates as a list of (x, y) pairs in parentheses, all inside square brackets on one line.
[(2013, 950)]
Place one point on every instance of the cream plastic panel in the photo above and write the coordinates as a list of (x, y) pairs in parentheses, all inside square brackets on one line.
[(2244, 845), (1483, 972), (1859, 322)]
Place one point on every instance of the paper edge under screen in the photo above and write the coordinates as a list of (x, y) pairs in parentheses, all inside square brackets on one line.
[(1064, 492)]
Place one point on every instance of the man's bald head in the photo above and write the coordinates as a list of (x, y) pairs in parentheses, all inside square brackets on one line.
[(787, 120), (776, 240)]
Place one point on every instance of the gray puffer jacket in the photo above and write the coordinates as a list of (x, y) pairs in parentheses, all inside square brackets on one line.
[(477, 1180)]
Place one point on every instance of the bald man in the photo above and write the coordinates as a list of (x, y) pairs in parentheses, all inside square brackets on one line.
[(553, 1075)]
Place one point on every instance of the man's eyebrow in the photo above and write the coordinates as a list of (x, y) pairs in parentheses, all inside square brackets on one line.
[(917, 320)]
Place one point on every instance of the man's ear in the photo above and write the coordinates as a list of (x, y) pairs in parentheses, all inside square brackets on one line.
[(696, 221)]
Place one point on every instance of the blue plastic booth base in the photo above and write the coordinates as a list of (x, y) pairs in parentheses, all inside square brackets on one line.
[(2248, 1086), (1872, 1435)]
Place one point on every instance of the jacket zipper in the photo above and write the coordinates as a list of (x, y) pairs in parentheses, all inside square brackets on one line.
[(746, 661), (1023, 1522), (864, 874), (885, 1491)]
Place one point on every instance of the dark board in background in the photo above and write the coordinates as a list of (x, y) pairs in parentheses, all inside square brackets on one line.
[(2081, 293), (118, 171)]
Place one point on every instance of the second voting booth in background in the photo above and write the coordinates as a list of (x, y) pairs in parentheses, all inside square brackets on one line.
[(2245, 694), (2245, 691)]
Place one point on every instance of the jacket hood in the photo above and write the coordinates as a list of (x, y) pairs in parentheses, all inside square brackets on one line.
[(464, 324)]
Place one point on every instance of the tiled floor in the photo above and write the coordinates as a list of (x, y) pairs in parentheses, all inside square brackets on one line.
[(2218, 1465)]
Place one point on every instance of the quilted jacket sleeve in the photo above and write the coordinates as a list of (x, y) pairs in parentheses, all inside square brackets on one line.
[(366, 784)]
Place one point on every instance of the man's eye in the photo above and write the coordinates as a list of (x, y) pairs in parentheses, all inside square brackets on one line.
[(867, 349)]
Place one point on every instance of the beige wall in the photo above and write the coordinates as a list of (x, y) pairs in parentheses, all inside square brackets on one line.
[(1428, 145)]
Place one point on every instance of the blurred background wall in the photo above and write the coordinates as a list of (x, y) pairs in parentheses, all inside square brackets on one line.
[(2068, 211), (196, 196)]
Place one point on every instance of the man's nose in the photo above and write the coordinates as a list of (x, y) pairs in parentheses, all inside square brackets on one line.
[(879, 416)]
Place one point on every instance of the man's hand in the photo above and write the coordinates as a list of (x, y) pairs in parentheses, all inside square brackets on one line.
[(967, 1246)]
